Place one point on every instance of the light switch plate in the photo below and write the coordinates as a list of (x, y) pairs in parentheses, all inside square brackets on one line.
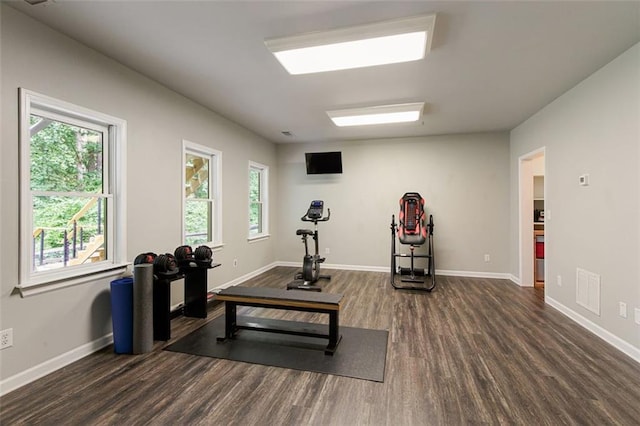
[(583, 180)]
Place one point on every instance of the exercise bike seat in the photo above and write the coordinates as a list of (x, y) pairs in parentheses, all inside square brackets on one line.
[(304, 232)]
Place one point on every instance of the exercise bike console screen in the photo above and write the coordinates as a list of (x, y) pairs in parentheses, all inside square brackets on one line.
[(315, 209)]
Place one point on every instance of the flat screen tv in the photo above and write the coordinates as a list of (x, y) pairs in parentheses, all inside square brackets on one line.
[(320, 163)]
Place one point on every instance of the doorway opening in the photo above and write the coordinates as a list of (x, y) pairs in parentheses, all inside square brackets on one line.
[(532, 190)]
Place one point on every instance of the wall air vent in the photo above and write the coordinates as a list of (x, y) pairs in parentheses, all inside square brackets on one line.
[(588, 290)]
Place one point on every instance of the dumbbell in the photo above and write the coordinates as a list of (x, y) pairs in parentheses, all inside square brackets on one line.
[(203, 255), (148, 257), (184, 256), (165, 264)]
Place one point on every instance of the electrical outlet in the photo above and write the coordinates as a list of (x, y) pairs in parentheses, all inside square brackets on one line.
[(637, 315), (327, 251), (622, 309), (487, 258), (235, 263), (6, 338), (559, 280)]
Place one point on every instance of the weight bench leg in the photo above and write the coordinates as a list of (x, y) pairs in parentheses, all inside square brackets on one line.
[(334, 333), (230, 321)]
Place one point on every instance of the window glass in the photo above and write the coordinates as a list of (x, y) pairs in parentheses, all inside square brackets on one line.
[(69, 213), (258, 199), (201, 219)]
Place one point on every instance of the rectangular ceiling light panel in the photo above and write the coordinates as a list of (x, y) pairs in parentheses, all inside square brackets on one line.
[(385, 114), (388, 42)]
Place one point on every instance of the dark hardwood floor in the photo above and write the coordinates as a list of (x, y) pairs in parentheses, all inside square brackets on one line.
[(475, 351)]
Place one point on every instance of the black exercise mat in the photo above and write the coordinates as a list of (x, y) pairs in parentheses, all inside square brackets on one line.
[(361, 353)]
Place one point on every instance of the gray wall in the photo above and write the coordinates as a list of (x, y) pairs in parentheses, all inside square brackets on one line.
[(40, 59), (593, 128), (463, 178)]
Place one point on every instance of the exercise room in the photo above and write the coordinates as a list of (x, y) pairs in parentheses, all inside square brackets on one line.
[(319, 212)]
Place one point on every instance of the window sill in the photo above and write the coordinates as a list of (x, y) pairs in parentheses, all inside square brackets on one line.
[(257, 238), (35, 289)]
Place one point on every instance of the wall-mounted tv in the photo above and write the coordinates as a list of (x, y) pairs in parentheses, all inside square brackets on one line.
[(320, 163)]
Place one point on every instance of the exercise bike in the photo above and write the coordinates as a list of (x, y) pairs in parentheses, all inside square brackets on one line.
[(310, 274)]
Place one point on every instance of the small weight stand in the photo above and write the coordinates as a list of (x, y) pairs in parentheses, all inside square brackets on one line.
[(194, 271)]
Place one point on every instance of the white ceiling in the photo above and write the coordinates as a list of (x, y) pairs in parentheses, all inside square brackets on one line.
[(492, 64)]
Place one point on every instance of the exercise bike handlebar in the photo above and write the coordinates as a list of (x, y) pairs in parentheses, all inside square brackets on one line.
[(306, 217)]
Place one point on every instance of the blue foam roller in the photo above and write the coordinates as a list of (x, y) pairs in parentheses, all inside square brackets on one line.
[(122, 315)]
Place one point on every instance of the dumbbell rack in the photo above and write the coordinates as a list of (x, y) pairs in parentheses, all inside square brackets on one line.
[(195, 296)]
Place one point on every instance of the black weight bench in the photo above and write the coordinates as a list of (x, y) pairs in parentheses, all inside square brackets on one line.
[(274, 298)]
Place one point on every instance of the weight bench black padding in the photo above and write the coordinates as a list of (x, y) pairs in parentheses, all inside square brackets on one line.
[(274, 298)]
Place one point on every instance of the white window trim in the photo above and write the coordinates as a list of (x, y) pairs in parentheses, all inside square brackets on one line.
[(264, 199), (216, 187), (116, 262)]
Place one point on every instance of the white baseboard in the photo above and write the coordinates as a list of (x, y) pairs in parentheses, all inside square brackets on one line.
[(339, 267), (473, 274), (515, 279), (364, 268), (367, 268), (27, 376), (246, 277), (622, 345), (292, 264)]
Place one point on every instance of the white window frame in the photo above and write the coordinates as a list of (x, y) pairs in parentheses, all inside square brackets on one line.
[(264, 200), (114, 192), (215, 188)]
